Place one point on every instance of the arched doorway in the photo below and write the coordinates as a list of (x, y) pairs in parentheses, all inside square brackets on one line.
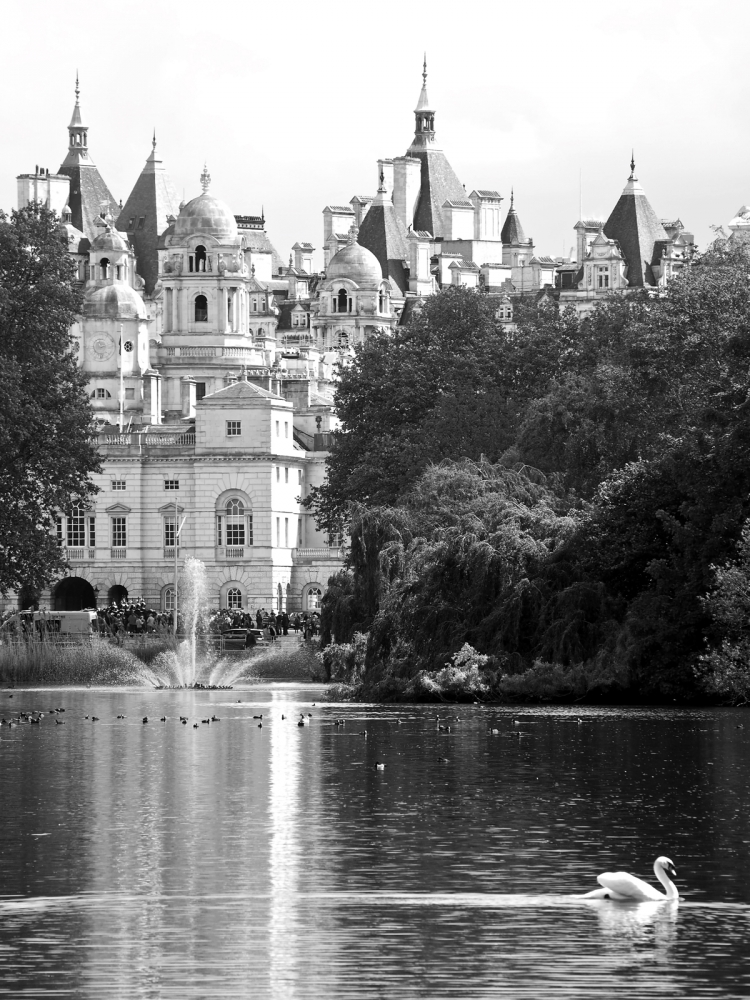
[(73, 594), (117, 594)]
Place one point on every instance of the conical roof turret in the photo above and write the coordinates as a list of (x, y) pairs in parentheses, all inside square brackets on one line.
[(512, 232), (636, 227)]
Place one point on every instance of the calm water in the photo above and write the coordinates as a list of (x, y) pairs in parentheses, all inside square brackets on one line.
[(162, 861)]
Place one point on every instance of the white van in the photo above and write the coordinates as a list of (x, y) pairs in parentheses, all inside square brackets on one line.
[(74, 624)]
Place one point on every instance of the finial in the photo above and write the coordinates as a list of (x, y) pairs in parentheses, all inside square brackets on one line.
[(632, 163), (205, 178), (511, 198), (291, 260), (424, 70), (252, 270), (153, 141), (77, 89), (353, 234)]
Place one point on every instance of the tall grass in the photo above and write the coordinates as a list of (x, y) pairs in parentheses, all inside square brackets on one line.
[(284, 662), (99, 663)]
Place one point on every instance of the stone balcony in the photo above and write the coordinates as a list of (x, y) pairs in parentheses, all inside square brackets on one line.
[(327, 553)]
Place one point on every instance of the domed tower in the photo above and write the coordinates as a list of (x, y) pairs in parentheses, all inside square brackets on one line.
[(115, 343), (217, 317), (354, 300)]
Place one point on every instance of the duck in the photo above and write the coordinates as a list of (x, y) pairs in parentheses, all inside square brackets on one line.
[(59, 722), (443, 760), (260, 725), (215, 718), (120, 716), (145, 719), (301, 722), (258, 716), (184, 721), (94, 718), (624, 886), (196, 726), (379, 766)]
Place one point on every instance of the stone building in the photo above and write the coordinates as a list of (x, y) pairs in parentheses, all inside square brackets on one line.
[(207, 417)]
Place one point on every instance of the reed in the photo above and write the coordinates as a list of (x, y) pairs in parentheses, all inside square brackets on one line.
[(284, 661), (98, 662)]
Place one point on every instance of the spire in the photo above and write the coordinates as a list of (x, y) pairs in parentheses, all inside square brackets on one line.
[(153, 158), (511, 197), (205, 178), (423, 104), (76, 121), (512, 232), (632, 166)]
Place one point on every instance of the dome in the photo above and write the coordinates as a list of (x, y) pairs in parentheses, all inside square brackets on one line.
[(116, 301), (111, 240), (356, 263), (206, 215)]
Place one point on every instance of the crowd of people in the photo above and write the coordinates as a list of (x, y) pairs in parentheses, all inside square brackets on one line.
[(136, 618)]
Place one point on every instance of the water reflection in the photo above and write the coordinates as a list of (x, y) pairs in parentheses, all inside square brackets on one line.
[(277, 860)]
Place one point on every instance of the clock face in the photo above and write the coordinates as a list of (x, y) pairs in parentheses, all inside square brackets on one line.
[(102, 347)]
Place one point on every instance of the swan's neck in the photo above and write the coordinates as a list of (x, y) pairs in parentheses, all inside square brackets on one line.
[(666, 881)]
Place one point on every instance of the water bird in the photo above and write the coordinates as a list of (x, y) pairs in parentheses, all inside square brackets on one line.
[(215, 718), (623, 886), (94, 718), (364, 733), (257, 716), (283, 717), (120, 716), (494, 732), (196, 726), (443, 760), (183, 721), (85, 716), (260, 725), (163, 718), (379, 766), (35, 721), (301, 722), (60, 722), (206, 722)]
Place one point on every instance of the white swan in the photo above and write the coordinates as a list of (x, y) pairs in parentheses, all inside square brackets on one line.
[(623, 886)]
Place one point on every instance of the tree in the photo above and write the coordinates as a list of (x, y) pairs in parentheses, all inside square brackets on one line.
[(46, 425)]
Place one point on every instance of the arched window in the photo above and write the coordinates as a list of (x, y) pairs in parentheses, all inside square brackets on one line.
[(200, 258), (234, 598), (342, 340), (381, 301), (235, 522), (201, 309), (168, 599), (343, 301), (104, 265), (312, 598), (101, 394)]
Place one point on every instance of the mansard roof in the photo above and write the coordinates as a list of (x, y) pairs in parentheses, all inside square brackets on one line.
[(438, 184), (146, 213), (636, 227), (384, 234)]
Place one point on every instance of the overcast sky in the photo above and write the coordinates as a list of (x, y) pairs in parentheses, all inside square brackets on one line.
[(291, 104)]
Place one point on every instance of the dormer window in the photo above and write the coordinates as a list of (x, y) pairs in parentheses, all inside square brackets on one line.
[(104, 265)]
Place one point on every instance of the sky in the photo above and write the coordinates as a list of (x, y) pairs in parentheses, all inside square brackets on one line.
[(290, 105)]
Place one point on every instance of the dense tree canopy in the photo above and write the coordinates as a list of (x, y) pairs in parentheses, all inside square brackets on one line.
[(637, 418), (45, 419)]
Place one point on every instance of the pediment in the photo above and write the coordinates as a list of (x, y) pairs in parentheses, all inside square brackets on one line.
[(118, 508), (168, 508)]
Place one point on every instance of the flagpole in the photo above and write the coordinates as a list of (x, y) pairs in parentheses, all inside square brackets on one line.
[(122, 390)]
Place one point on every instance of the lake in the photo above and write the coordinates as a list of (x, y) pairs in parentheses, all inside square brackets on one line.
[(158, 860)]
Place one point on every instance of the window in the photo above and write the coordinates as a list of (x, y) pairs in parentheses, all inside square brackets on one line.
[(119, 532), (278, 473), (286, 532), (234, 598), (603, 277), (286, 435), (299, 477), (278, 531), (234, 428), (92, 532), (118, 484), (59, 529), (286, 475), (170, 532), (171, 484), (201, 309), (168, 599), (235, 522), (130, 394), (142, 222), (200, 258), (312, 598), (76, 536), (277, 428), (200, 390), (100, 394), (343, 301), (118, 271), (104, 267)]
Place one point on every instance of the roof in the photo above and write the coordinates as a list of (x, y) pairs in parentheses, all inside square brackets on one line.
[(384, 234), (635, 226), (116, 301), (458, 203), (438, 184), (144, 215), (421, 233), (303, 246), (258, 241), (544, 259), (241, 390), (464, 265), (339, 209), (89, 197), (488, 194), (356, 263), (512, 232)]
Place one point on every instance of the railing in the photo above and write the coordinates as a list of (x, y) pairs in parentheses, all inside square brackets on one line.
[(144, 440), (232, 552), (244, 352), (170, 553), (80, 553), (118, 553), (328, 552), (192, 352), (235, 553)]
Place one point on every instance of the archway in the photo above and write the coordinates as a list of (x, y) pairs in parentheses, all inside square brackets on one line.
[(117, 594), (73, 594)]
